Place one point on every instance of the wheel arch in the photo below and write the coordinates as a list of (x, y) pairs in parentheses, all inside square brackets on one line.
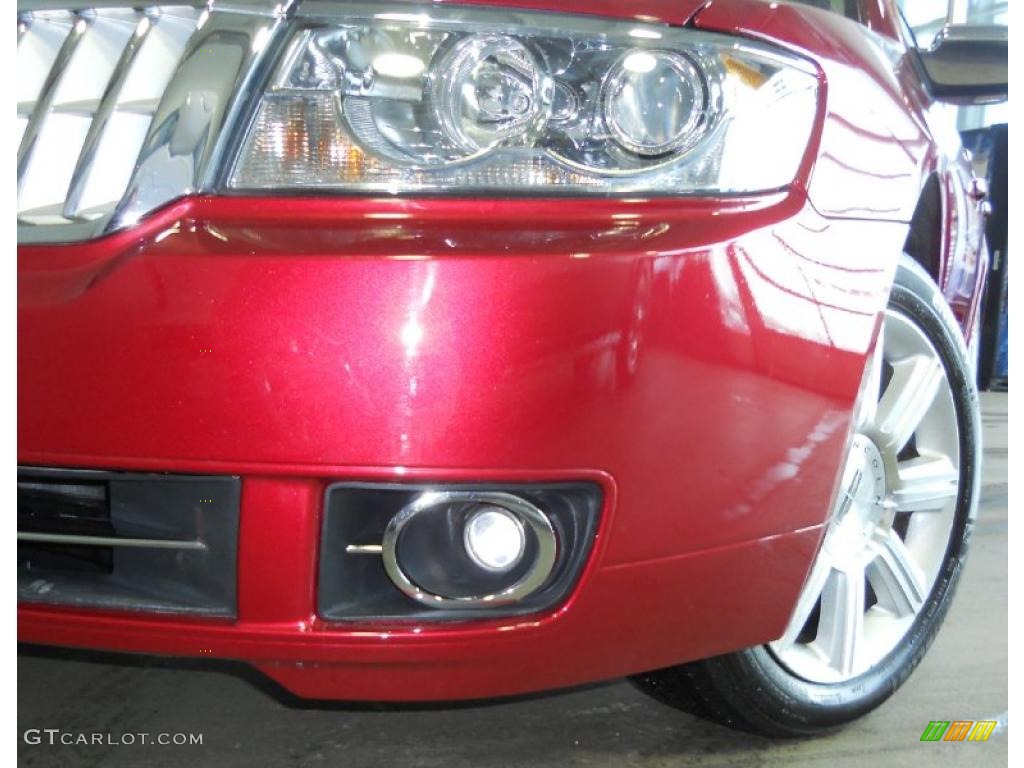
[(924, 239)]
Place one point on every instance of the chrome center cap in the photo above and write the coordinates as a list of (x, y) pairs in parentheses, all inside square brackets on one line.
[(860, 506)]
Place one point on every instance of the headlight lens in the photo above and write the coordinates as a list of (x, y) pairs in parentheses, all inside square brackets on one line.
[(655, 102), (489, 90), (467, 100)]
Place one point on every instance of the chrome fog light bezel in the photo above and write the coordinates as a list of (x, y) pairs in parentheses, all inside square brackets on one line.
[(526, 513)]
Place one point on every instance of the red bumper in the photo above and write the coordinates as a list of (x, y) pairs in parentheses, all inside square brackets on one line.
[(697, 359)]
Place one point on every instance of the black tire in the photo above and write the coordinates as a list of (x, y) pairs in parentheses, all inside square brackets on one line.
[(751, 689)]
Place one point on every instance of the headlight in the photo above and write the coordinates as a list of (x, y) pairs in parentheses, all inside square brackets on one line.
[(454, 100)]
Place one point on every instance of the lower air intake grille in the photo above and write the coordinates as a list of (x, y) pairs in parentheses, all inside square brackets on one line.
[(119, 540)]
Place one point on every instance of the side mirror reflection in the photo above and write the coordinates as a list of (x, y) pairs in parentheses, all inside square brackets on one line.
[(967, 64)]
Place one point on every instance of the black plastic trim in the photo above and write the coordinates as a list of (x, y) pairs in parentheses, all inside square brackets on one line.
[(199, 513), (356, 587)]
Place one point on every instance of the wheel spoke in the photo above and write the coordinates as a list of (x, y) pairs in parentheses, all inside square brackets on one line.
[(841, 628), (911, 391), (808, 599), (868, 406), (898, 583), (925, 484)]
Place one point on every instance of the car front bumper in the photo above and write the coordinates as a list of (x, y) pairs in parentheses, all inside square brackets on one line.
[(697, 360)]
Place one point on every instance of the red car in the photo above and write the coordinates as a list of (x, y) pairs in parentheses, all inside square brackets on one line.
[(457, 350)]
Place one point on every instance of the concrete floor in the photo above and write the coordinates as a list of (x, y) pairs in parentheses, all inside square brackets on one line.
[(245, 721)]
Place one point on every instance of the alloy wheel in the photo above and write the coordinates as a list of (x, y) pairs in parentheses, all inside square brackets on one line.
[(888, 533)]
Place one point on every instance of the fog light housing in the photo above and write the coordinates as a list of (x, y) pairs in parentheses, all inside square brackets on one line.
[(398, 551)]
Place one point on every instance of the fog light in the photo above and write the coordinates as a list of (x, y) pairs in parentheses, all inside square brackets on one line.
[(469, 548), (494, 539)]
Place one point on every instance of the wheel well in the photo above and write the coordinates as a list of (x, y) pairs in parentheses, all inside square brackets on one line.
[(924, 241)]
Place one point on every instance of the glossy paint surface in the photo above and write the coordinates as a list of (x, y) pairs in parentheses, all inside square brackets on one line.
[(296, 342), (308, 338), (883, 137), (698, 359)]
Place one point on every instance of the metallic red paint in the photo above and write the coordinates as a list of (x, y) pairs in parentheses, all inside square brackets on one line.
[(697, 358), (883, 135), (270, 338)]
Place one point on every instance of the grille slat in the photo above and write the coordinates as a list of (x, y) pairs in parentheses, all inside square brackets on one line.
[(101, 117), (39, 40), (47, 93), (100, 74)]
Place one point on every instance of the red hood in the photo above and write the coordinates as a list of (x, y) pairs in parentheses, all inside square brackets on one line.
[(669, 11)]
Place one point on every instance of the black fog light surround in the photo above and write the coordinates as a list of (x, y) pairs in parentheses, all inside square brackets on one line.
[(449, 552)]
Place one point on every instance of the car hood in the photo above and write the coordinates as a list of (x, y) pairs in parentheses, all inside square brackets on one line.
[(666, 11)]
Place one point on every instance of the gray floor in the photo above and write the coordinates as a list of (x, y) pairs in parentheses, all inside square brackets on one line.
[(243, 723)]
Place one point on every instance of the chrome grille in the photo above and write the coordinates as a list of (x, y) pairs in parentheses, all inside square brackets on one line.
[(89, 84)]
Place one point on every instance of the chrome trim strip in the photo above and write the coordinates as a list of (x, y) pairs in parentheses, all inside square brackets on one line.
[(103, 112), (364, 549), (524, 511), (30, 6), (67, 489), (275, 9), (265, 7), (108, 541), (47, 93)]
